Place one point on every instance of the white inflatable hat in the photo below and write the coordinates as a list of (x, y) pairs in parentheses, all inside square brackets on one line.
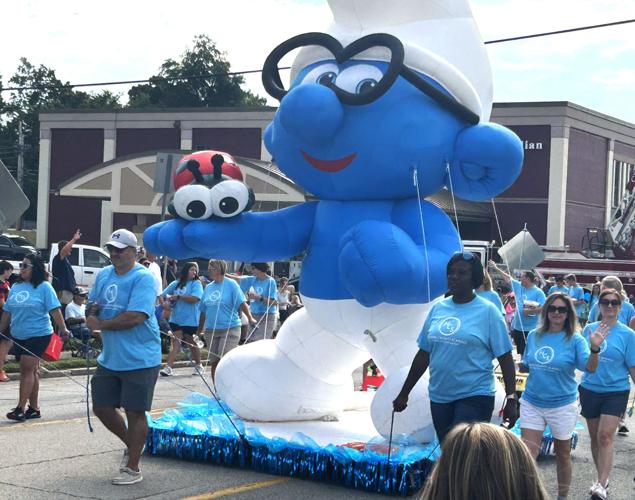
[(440, 39)]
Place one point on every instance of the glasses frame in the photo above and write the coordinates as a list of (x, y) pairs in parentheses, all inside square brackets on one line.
[(274, 87), (559, 309), (607, 303)]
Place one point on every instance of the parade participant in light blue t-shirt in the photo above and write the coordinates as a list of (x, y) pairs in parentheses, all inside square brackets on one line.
[(559, 286), (554, 351), (461, 336), (222, 303), (604, 394), (576, 292), (184, 297), (262, 291), (27, 310), (122, 305)]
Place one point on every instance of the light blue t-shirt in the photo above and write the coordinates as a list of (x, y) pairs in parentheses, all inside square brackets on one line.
[(221, 305), (137, 347), (185, 313), (29, 308), (493, 297), (617, 355), (266, 288), (577, 293), (559, 289), (552, 361), (627, 312), (462, 340), (524, 322)]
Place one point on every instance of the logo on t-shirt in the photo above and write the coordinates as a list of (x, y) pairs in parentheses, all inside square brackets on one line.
[(111, 294), (22, 296), (259, 290), (215, 296), (544, 355), (449, 326)]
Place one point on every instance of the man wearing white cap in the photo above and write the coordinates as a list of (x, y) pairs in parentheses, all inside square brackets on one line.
[(122, 307)]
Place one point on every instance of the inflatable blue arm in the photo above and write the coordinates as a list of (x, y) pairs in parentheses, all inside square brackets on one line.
[(250, 236), (386, 262), (487, 160)]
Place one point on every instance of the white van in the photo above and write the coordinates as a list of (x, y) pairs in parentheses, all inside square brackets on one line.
[(86, 260)]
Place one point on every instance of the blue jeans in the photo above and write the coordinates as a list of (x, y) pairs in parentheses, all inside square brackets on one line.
[(473, 409)]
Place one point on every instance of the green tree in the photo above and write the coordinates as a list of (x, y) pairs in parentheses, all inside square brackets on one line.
[(39, 90), (168, 89)]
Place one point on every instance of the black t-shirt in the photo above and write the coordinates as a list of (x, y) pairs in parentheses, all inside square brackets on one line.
[(63, 274)]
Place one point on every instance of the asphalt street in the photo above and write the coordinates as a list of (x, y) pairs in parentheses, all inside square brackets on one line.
[(57, 457)]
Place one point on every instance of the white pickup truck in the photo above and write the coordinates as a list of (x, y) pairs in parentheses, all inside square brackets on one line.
[(86, 260)]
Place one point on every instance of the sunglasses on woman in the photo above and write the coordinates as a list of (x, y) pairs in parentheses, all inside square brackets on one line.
[(558, 309), (24, 265), (612, 303)]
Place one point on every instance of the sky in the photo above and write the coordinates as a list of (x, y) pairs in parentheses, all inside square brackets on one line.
[(123, 40)]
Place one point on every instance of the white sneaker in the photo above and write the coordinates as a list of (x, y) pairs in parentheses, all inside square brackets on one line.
[(598, 492), (199, 370), (167, 371), (128, 476)]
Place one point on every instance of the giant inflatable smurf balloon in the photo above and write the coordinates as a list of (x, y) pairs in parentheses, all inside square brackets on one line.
[(388, 106)]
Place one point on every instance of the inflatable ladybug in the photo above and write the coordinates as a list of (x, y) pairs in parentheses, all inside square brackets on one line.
[(209, 184)]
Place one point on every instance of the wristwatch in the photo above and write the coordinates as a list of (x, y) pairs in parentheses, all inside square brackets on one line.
[(596, 352), (511, 396)]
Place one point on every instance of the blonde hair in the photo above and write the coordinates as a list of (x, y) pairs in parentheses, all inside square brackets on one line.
[(612, 282), (487, 280), (482, 462), (218, 264)]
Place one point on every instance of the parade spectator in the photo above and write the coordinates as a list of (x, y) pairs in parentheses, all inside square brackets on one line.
[(295, 302), (559, 287), (604, 393), (485, 291), (26, 311), (63, 274), (461, 336), (154, 268), (122, 305), (627, 311), (554, 351), (283, 299), (75, 315), (480, 461), (529, 300), (262, 292), (576, 292), (220, 322), (184, 296), (510, 309), (6, 269)]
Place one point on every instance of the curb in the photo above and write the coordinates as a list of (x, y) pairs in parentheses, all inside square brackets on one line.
[(79, 372)]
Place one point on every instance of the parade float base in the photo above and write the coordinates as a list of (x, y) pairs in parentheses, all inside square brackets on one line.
[(346, 451)]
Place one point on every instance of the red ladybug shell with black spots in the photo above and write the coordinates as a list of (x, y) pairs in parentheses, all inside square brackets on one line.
[(183, 176)]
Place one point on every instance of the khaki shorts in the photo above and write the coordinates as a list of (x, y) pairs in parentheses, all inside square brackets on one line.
[(266, 326), (220, 342)]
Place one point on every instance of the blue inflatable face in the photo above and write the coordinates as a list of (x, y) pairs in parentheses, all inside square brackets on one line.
[(344, 152)]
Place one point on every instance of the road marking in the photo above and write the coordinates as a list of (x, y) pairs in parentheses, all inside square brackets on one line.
[(234, 490), (25, 425)]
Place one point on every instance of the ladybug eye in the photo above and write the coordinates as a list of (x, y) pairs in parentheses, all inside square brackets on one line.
[(229, 198), (193, 202)]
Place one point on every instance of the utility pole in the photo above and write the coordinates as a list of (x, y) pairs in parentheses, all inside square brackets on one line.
[(20, 172)]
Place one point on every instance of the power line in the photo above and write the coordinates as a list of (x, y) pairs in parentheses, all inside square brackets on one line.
[(252, 71)]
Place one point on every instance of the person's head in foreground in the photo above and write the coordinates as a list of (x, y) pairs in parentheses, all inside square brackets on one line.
[(481, 461)]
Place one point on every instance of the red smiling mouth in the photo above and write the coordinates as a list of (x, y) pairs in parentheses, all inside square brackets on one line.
[(330, 166)]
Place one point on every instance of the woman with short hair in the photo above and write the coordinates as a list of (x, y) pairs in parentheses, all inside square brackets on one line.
[(222, 303), (461, 336), (27, 311), (604, 394), (183, 296), (480, 461), (554, 351)]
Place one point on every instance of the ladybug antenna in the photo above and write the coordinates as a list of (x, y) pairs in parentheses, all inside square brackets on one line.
[(217, 161), (194, 167)]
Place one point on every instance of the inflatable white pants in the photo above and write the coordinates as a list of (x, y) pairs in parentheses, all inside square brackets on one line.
[(305, 373)]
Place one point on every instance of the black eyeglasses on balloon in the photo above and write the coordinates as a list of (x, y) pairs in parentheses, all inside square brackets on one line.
[(370, 93)]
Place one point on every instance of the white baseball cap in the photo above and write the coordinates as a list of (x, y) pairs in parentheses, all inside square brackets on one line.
[(122, 238)]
